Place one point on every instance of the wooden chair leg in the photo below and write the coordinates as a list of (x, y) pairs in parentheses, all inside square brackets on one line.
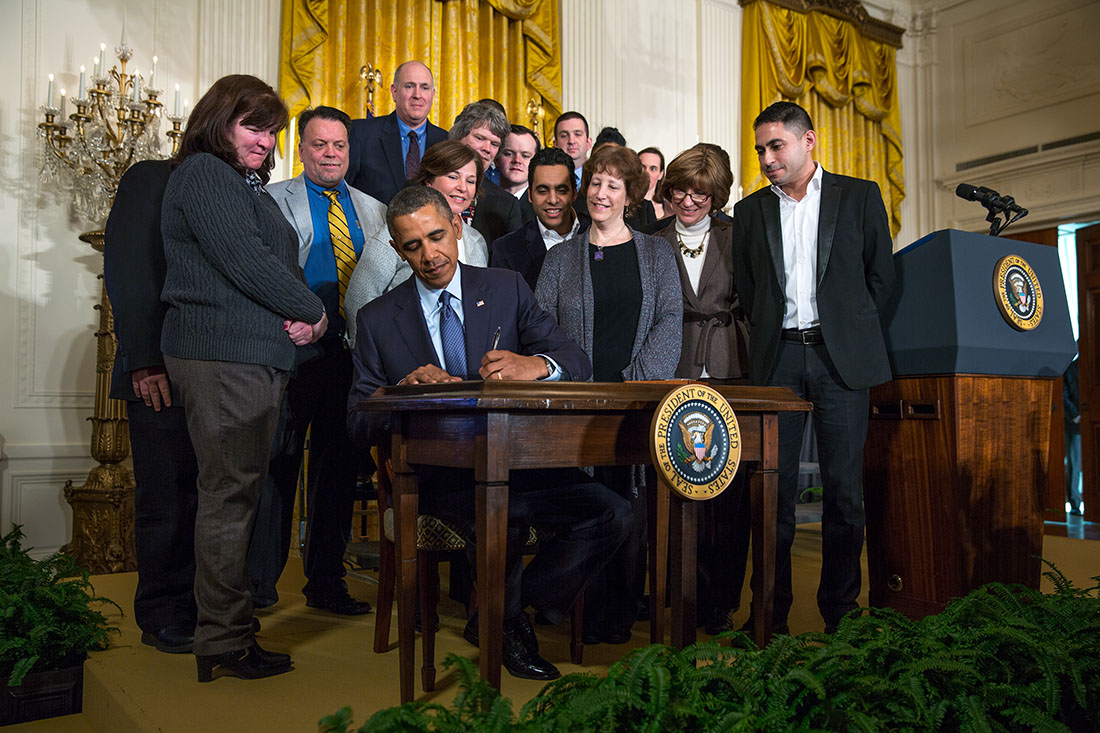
[(428, 565), (576, 631), (387, 580)]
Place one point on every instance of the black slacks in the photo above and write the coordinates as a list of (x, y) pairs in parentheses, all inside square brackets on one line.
[(316, 400), (589, 523), (165, 500), (840, 424)]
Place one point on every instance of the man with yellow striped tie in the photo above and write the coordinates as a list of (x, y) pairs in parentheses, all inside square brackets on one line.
[(333, 222)]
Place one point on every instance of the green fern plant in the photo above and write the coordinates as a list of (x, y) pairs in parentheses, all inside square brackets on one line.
[(47, 615), (1003, 658)]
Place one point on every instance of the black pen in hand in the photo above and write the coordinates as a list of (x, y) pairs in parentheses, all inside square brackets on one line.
[(496, 339)]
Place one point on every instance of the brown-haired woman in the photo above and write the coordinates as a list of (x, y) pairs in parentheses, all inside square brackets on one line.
[(616, 293), (715, 348), (237, 306), (455, 170)]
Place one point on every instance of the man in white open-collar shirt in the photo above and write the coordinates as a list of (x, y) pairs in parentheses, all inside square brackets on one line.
[(813, 266)]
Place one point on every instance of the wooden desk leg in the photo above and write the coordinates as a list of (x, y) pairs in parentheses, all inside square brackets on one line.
[(405, 510), (491, 477), (764, 489), (657, 505), (682, 547)]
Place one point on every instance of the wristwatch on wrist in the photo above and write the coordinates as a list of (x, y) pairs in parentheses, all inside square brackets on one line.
[(549, 367)]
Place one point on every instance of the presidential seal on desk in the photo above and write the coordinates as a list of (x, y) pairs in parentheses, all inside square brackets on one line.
[(1019, 297), (695, 442)]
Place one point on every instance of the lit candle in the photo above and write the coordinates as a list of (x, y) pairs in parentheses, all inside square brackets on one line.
[(176, 111), (62, 104), (81, 93), (49, 92), (137, 88), (103, 59), (153, 75), (186, 104)]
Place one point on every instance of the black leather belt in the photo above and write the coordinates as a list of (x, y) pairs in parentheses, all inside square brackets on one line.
[(805, 336)]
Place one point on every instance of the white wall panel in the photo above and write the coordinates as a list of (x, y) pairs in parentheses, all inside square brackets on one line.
[(49, 281)]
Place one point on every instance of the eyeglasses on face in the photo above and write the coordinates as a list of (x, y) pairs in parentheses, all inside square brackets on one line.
[(696, 198)]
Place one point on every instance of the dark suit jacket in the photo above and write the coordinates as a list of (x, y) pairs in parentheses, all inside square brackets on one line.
[(715, 327), (375, 163), (523, 251), (855, 277), (392, 338), (497, 212), (133, 272)]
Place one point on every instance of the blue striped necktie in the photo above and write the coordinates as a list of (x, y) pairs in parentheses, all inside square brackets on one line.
[(454, 342)]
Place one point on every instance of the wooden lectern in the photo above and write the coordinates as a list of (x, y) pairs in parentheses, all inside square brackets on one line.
[(956, 454)]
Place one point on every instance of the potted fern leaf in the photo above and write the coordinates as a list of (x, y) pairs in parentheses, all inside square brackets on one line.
[(48, 622)]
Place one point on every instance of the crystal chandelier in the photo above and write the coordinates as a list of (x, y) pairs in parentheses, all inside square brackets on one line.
[(116, 123)]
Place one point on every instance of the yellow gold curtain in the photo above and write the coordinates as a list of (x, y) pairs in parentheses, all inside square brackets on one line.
[(509, 50), (848, 84)]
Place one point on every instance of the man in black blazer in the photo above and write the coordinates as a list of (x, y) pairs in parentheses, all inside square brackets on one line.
[(165, 469), (813, 265), (408, 336), (382, 156), (483, 127), (550, 194)]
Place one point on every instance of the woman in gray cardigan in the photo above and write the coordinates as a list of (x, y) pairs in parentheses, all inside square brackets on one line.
[(616, 292), (237, 306)]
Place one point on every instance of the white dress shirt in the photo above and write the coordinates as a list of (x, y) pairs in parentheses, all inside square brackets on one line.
[(798, 220), (550, 237), (430, 306)]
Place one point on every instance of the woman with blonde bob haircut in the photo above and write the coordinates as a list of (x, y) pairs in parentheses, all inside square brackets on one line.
[(715, 348), (616, 293)]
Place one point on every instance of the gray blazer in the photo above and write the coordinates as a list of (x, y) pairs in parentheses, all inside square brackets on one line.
[(293, 200), (565, 291)]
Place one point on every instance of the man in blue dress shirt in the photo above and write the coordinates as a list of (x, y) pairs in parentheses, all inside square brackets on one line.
[(331, 220)]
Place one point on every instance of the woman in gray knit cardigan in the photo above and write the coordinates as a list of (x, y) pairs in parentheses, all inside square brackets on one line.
[(237, 306), (617, 293)]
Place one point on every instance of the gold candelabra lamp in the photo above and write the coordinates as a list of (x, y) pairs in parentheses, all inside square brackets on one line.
[(371, 78), (116, 123)]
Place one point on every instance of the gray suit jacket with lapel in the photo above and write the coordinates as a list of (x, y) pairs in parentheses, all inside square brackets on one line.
[(293, 199), (565, 291), (855, 277), (716, 332)]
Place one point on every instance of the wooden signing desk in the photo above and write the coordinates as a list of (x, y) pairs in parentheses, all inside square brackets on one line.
[(494, 427)]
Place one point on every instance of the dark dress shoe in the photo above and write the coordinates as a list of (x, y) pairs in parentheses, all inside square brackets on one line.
[(248, 664), (777, 628), (340, 602), (521, 662), (173, 639), (717, 620), (521, 625), (255, 625)]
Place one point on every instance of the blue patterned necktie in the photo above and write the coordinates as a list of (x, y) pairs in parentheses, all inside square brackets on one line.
[(454, 342)]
